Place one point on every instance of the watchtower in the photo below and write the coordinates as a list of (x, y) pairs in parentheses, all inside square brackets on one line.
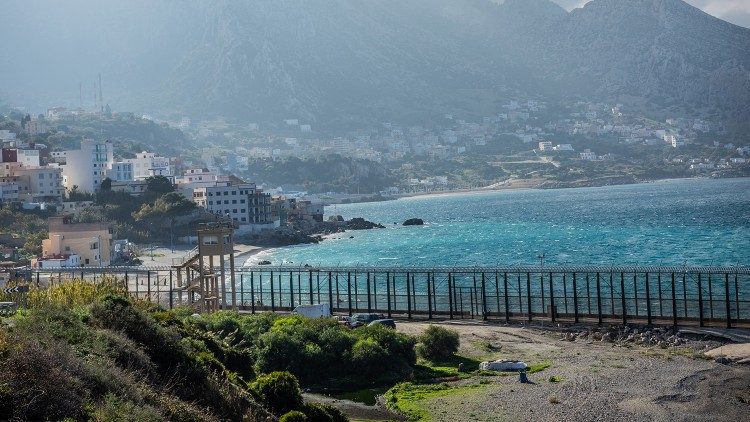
[(215, 240)]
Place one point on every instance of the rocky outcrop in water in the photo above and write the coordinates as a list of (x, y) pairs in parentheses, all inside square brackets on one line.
[(413, 222)]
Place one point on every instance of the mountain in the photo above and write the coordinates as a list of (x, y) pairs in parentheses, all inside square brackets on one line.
[(343, 63)]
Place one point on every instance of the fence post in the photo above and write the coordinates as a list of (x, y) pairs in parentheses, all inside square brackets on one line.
[(330, 292), (484, 300), (575, 298), (429, 297), (541, 289), (291, 291), (148, 284), (310, 287), (171, 292), (369, 297), (700, 300), (661, 307), (349, 291), (252, 292), (726, 300), (622, 298), (565, 292), (528, 294), (242, 291), (648, 301), (408, 295), (635, 292), (505, 292), (273, 296), (388, 291), (551, 298), (674, 303), (710, 298), (450, 296), (599, 297)]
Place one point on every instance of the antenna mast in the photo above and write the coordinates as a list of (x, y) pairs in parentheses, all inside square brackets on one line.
[(101, 101)]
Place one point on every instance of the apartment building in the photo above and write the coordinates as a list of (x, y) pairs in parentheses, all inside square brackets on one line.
[(87, 167), (92, 242), (244, 203)]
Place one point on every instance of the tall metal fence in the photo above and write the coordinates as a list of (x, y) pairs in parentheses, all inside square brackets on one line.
[(715, 296)]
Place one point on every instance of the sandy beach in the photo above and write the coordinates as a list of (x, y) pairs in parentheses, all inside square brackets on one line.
[(164, 257)]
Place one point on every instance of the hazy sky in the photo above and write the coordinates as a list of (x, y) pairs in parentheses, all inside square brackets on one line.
[(735, 11)]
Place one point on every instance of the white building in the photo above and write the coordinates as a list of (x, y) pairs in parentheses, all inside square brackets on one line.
[(245, 204), (58, 261), (39, 184), (563, 147), (28, 157), (120, 171), (147, 164), (588, 155), (545, 146), (87, 167)]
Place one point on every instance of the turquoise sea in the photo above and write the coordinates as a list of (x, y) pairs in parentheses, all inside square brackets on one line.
[(675, 222)]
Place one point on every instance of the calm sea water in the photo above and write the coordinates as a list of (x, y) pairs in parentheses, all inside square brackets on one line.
[(698, 221)]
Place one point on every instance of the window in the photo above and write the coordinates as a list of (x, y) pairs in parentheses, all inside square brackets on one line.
[(234, 201), (244, 219), (210, 240), (242, 201), (94, 246), (210, 202), (226, 202), (87, 261), (234, 211)]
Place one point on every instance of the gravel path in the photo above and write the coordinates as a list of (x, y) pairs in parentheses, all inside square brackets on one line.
[(600, 381)]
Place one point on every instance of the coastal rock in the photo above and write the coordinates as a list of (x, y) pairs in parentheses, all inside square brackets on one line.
[(413, 222), (359, 223)]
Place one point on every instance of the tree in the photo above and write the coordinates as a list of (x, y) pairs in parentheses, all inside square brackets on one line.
[(170, 206), (106, 185), (159, 185)]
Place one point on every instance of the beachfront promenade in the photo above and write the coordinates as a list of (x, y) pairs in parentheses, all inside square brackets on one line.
[(705, 296)]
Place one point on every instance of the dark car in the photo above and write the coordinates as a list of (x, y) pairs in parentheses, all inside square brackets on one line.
[(358, 320), (384, 322)]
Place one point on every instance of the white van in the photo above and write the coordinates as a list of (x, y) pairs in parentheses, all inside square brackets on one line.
[(321, 310)]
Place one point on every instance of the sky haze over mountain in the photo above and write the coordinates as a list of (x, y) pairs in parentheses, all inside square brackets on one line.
[(734, 11)]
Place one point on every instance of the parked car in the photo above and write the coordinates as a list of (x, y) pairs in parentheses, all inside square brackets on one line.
[(384, 322), (358, 320)]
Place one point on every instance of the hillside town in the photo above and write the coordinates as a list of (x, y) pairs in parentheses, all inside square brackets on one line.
[(218, 172)]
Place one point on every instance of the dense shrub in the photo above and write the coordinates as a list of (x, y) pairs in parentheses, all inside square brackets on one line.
[(320, 351), (279, 392), (319, 412), (437, 343), (293, 416)]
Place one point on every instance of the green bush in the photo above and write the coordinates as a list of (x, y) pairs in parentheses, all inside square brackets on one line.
[(437, 343), (293, 416), (319, 412), (279, 392)]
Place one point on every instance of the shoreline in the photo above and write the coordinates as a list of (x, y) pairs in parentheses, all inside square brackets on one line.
[(504, 186)]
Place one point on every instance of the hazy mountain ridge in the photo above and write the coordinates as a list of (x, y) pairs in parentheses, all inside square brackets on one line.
[(351, 62)]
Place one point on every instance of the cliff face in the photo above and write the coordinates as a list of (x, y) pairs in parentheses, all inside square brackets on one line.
[(351, 62)]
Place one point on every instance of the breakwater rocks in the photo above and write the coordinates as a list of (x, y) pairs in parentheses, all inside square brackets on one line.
[(414, 222), (663, 337), (309, 233)]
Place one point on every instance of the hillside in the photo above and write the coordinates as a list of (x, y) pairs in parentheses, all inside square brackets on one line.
[(345, 63)]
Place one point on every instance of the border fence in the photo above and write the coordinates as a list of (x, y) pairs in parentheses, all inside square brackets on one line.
[(704, 296)]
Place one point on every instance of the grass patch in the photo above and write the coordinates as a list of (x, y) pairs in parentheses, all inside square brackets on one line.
[(367, 396), (408, 398), (554, 378), (487, 346), (538, 367), (426, 370)]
